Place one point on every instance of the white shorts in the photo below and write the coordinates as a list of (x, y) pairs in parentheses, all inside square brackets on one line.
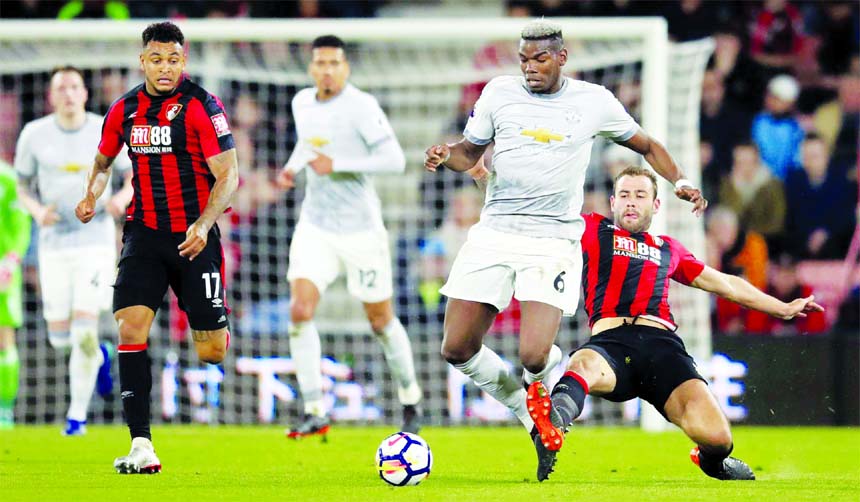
[(76, 279), (493, 266), (320, 256)]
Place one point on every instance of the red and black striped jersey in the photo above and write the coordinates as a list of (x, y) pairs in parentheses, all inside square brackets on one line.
[(627, 275), (169, 139)]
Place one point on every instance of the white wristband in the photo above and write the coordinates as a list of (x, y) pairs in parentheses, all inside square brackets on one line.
[(683, 183)]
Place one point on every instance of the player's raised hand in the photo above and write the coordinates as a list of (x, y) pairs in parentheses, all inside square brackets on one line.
[(195, 240), (286, 179), (322, 165), (86, 208), (694, 195), (435, 156), (802, 306)]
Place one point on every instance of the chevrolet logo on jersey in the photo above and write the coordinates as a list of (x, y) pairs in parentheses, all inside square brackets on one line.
[(318, 142), (542, 135), (72, 168)]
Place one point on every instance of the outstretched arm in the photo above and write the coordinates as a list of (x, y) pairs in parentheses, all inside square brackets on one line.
[(97, 180), (662, 162), (460, 156), (738, 290)]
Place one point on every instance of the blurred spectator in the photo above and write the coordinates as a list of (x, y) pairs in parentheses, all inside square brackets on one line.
[(776, 35), (839, 37), (723, 124), (753, 193), (742, 77), (821, 205), (838, 121), (776, 130), (690, 19), (313, 8), (28, 9), (734, 250), (187, 8)]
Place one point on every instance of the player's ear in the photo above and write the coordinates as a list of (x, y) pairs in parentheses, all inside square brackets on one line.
[(562, 57), (141, 63), (612, 202), (656, 205)]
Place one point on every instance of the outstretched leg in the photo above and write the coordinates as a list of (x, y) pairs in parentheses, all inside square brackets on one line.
[(693, 408)]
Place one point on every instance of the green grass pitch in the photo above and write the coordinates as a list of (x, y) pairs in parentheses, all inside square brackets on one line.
[(479, 463)]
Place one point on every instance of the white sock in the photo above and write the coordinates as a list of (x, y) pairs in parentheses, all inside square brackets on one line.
[(398, 354), (306, 353), (60, 340), (84, 365), (552, 360), (489, 372)]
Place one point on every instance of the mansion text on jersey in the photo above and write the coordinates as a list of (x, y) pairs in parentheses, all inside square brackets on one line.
[(147, 139), (626, 246)]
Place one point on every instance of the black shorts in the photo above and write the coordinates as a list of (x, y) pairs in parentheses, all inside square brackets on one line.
[(150, 262), (648, 362)]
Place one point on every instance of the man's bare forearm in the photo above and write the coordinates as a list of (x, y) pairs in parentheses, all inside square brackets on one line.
[(99, 175), (464, 155), (226, 170), (656, 155)]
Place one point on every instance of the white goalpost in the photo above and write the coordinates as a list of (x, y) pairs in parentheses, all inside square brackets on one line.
[(421, 71)]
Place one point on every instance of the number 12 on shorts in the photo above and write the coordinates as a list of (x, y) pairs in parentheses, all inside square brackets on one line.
[(208, 279)]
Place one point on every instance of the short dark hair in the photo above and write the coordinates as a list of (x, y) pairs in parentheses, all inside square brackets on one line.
[(163, 32), (328, 41), (636, 171), (67, 69)]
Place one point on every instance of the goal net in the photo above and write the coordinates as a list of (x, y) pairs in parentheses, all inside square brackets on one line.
[(426, 73)]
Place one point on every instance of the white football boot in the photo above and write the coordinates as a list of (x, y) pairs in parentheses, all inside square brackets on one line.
[(140, 460)]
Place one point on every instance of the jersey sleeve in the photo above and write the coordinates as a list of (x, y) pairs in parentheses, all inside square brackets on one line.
[(111, 142), (616, 123), (480, 129), (25, 159), (689, 267), (371, 122), (209, 121)]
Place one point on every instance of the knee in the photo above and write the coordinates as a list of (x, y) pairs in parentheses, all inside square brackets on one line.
[(585, 366), (132, 331), (533, 361), (301, 311), (455, 354), (211, 353)]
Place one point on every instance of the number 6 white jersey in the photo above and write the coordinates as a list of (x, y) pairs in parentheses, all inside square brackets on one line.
[(542, 149)]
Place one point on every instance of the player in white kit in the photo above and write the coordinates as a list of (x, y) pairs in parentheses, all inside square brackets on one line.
[(77, 263), (343, 136), (526, 244)]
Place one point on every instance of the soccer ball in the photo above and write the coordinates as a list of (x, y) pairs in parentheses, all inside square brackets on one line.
[(403, 459)]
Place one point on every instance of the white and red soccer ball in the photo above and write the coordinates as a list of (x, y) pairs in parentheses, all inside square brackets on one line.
[(403, 459)]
